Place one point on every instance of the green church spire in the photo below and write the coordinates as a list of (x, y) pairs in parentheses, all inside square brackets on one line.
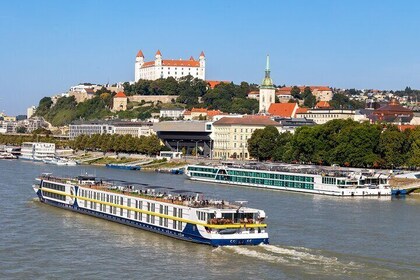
[(267, 82)]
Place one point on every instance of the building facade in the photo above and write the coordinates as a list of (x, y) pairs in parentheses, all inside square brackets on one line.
[(230, 135), (136, 129), (165, 68), (321, 116)]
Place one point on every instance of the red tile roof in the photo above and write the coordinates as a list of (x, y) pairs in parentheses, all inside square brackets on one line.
[(287, 110), (322, 105), (140, 54), (192, 58), (212, 113), (301, 110), (212, 84), (158, 53), (187, 113), (120, 94), (198, 110), (202, 53)]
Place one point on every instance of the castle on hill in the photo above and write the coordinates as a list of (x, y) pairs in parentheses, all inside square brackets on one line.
[(165, 68)]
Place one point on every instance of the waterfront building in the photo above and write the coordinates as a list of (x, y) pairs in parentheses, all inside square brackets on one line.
[(119, 102), (267, 90), (231, 135), (136, 129), (37, 150), (164, 68), (321, 116), (7, 127), (185, 135)]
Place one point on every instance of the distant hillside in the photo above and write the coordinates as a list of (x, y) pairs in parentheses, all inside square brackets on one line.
[(227, 97)]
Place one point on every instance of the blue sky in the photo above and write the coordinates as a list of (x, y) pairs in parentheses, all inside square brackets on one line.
[(48, 46)]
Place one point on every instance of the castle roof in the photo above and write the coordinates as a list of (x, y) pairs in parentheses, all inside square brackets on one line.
[(202, 53), (140, 54), (158, 53)]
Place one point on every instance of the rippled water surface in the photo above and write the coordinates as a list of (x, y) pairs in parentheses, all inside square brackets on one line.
[(312, 237)]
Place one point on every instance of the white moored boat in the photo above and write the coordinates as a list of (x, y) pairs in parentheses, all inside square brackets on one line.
[(176, 213), (297, 178)]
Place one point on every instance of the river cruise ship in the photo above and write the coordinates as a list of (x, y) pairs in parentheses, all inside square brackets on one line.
[(176, 213), (298, 178)]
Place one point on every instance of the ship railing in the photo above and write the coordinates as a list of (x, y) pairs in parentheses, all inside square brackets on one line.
[(222, 221)]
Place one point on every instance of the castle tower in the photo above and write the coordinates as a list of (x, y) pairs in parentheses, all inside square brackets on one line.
[(202, 60), (158, 58), (138, 65), (267, 90)]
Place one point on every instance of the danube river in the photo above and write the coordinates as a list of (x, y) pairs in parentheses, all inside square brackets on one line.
[(312, 237)]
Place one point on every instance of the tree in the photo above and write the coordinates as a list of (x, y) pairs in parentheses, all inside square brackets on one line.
[(21, 129), (309, 98), (392, 147), (414, 148), (263, 142), (295, 92)]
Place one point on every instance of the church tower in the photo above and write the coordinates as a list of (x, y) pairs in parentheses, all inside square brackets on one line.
[(267, 90), (138, 65)]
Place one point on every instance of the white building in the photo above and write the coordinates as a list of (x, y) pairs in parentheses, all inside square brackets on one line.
[(136, 129), (164, 68), (37, 150), (174, 113), (267, 90), (321, 116), (30, 111)]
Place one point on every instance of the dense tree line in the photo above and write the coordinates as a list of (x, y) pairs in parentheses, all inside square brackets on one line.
[(117, 143), (343, 142), (17, 140)]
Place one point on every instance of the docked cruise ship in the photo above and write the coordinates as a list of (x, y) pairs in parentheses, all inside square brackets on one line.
[(298, 178), (37, 151), (175, 213)]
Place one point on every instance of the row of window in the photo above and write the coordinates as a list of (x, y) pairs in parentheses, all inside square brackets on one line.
[(53, 186), (131, 202), (271, 175), (329, 180), (54, 195), (267, 182)]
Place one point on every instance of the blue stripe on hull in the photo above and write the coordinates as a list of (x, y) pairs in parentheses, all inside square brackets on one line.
[(190, 233)]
